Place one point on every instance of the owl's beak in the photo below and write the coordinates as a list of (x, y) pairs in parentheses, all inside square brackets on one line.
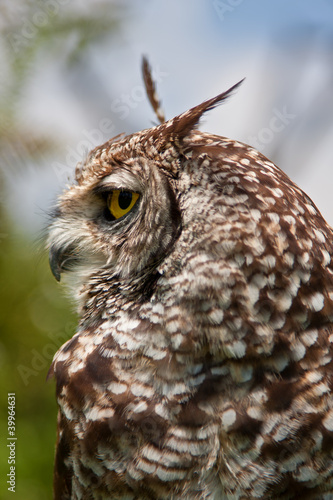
[(55, 260), (61, 259)]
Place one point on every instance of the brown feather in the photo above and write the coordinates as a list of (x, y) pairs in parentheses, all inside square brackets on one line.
[(151, 90), (189, 120)]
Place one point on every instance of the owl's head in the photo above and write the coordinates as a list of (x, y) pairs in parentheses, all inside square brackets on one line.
[(130, 201)]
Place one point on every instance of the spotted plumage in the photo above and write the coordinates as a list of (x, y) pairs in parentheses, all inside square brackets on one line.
[(202, 363)]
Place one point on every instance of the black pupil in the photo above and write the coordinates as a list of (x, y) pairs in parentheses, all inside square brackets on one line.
[(125, 199)]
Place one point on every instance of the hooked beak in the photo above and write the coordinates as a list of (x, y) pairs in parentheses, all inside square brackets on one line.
[(60, 260)]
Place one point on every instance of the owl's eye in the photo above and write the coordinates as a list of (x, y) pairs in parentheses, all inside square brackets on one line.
[(120, 203)]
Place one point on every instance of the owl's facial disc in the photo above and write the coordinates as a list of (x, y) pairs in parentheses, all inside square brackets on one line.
[(121, 225)]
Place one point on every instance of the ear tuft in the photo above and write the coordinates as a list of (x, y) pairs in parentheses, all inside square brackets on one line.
[(151, 90), (189, 120)]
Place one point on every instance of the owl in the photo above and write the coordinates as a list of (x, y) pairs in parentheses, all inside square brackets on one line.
[(202, 364)]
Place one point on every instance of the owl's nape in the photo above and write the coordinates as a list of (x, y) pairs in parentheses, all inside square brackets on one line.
[(202, 363)]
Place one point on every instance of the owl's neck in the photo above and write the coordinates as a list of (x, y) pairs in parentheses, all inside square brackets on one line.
[(105, 294)]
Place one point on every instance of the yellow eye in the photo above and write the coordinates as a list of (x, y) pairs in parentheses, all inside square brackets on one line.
[(121, 202)]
